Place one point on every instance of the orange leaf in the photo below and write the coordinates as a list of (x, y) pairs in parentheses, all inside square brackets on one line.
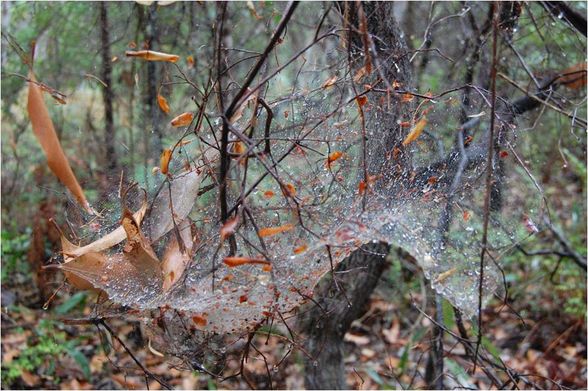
[(362, 187), (333, 157), (238, 147), (270, 231), (330, 82), (165, 158), (404, 124), (163, 104), (289, 190), (361, 100), (415, 132), (268, 194), (229, 227), (150, 55), (574, 77), (466, 215), (190, 61), (183, 119), (47, 137), (300, 249), (406, 98), (239, 261), (199, 320)]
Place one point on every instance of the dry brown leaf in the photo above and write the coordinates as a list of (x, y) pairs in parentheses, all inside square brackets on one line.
[(174, 260), (239, 112), (329, 82), (164, 160), (359, 340), (415, 132), (252, 10), (105, 242), (239, 261), (361, 72), (229, 227), (47, 137), (163, 105), (138, 251), (271, 231), (574, 77), (183, 119), (29, 379), (150, 55), (190, 61)]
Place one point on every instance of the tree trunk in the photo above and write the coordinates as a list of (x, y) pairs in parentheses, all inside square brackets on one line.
[(107, 95), (340, 303), (336, 305), (151, 96)]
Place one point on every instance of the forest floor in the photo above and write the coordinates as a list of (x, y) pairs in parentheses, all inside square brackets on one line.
[(385, 349)]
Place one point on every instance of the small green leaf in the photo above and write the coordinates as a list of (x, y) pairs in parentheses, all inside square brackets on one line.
[(448, 315), (71, 303), (491, 348), (375, 376), (81, 360)]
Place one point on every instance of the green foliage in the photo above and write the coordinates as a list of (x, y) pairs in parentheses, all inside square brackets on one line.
[(77, 300), (14, 249), (45, 348)]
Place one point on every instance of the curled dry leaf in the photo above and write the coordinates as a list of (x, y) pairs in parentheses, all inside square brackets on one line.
[(239, 112), (239, 261), (164, 160), (190, 61), (229, 228), (361, 100), (138, 251), (163, 105), (183, 119), (174, 261), (415, 132), (105, 242), (361, 72), (184, 191), (150, 55), (300, 249), (47, 137), (333, 157), (574, 77), (271, 231), (329, 82)]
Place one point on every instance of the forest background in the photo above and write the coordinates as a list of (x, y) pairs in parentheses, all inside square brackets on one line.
[(109, 117)]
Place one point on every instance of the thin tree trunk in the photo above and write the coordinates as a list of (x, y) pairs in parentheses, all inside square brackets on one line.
[(336, 305), (151, 96), (107, 95), (340, 303)]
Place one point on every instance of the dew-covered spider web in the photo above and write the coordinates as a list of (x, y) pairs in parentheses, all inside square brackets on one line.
[(312, 177)]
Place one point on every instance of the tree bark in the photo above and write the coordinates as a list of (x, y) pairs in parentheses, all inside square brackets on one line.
[(344, 300), (336, 305), (151, 95), (107, 95)]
